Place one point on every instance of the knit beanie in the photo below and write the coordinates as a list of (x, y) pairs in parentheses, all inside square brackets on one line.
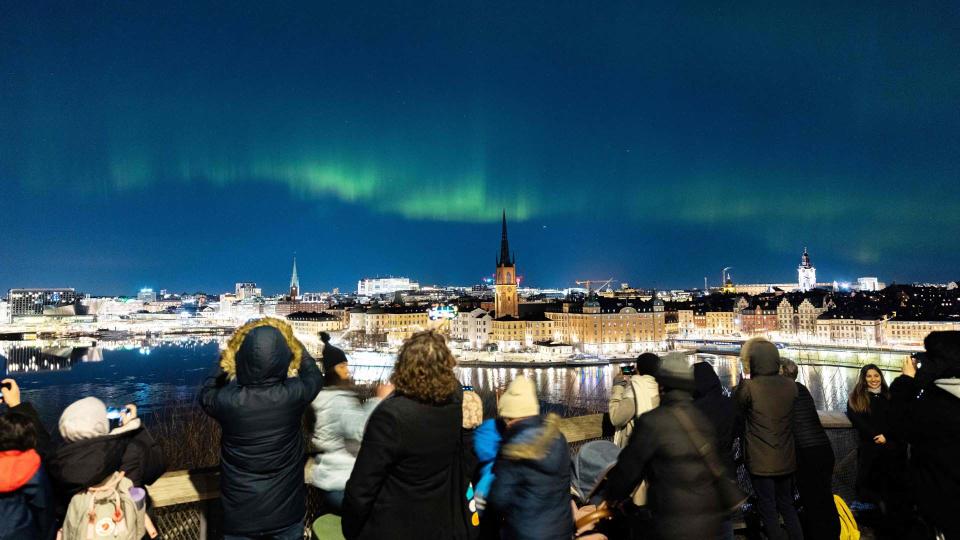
[(520, 400), (675, 373), (332, 356), (84, 419)]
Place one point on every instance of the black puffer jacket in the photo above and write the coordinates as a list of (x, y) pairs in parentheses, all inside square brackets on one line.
[(531, 486), (683, 494), (766, 400), (808, 432), (407, 480), (260, 411), (75, 466)]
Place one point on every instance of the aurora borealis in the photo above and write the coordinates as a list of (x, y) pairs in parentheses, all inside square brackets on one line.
[(188, 145)]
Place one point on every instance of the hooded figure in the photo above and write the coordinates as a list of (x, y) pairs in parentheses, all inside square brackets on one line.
[(265, 381), (925, 410), (531, 485), (683, 495), (766, 402), (718, 408), (92, 452), (26, 497)]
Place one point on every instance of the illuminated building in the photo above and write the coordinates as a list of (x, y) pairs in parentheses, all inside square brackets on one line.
[(797, 315), (862, 329), (806, 273), (473, 328), (312, 323), (390, 324), (247, 289), (506, 301), (147, 296), (606, 325), (29, 302), (387, 285), (756, 317), (912, 330)]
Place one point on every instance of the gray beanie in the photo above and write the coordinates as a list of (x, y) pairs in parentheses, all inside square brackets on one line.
[(84, 419), (675, 373)]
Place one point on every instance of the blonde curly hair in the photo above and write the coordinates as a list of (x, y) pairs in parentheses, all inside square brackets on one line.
[(424, 369)]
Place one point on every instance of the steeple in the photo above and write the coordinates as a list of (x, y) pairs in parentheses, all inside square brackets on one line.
[(805, 260), (294, 281), (505, 259)]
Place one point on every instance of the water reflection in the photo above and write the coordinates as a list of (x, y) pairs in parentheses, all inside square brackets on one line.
[(158, 372)]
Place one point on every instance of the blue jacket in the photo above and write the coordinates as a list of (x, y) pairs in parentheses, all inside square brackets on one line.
[(26, 500), (486, 444), (531, 488)]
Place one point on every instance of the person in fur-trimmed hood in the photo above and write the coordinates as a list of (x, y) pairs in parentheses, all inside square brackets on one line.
[(264, 382), (531, 486)]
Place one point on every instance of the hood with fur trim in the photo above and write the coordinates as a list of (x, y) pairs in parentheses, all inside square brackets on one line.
[(261, 352)]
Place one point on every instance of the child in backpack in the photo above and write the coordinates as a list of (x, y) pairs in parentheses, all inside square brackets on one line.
[(26, 499)]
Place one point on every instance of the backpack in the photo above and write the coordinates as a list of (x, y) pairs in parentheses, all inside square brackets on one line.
[(105, 511), (848, 525)]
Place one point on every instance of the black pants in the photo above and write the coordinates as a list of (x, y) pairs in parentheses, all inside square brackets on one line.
[(815, 483), (775, 494)]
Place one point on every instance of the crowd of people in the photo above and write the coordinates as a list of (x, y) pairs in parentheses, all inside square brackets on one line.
[(426, 457)]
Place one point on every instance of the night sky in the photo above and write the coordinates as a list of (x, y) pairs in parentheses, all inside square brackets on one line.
[(189, 145)]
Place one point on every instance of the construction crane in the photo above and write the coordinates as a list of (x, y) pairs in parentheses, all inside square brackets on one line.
[(588, 282)]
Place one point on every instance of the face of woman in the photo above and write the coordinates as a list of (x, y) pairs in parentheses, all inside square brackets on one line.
[(873, 379)]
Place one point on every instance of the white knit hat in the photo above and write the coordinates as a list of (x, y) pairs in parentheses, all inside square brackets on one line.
[(84, 419), (520, 400)]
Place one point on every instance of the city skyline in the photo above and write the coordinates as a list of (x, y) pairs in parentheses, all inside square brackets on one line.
[(188, 147)]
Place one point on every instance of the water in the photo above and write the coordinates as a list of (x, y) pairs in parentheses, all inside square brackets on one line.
[(156, 374)]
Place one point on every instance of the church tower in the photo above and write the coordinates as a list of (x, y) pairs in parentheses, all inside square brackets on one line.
[(806, 273), (506, 301), (294, 281)]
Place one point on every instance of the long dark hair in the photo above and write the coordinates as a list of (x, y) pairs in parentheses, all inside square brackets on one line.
[(859, 399)]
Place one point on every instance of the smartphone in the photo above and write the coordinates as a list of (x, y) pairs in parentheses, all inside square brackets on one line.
[(467, 388), (114, 413), (6, 385), (628, 369)]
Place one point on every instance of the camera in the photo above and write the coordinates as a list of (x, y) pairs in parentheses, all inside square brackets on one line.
[(114, 413), (6, 385), (628, 369), (918, 358)]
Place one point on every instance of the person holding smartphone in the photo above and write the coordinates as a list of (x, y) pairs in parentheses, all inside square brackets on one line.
[(634, 392)]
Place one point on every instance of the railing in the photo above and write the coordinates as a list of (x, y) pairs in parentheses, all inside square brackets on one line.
[(186, 503)]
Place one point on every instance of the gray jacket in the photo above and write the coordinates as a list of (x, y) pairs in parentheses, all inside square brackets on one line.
[(767, 404), (337, 431)]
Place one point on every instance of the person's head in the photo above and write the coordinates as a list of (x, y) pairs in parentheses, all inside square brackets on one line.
[(84, 419), (706, 380), (262, 351), (941, 359), (870, 381), (675, 373), (789, 369), (424, 369), (336, 371), (519, 401), (17, 433), (648, 364), (760, 357)]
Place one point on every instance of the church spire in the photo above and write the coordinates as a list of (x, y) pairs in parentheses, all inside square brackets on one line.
[(505, 258), (294, 281)]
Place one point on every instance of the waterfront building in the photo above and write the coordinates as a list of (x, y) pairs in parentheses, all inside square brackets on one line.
[(756, 317), (387, 285), (908, 329), (312, 323), (30, 302), (506, 300), (472, 328), (841, 327), (609, 326), (376, 325), (806, 273), (797, 314)]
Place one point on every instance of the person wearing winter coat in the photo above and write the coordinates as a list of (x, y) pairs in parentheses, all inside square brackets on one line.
[(882, 454), (766, 402), (91, 451), (26, 498), (531, 486), (338, 427), (925, 410), (265, 381), (815, 461), (633, 395), (723, 415), (415, 462), (683, 496)]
